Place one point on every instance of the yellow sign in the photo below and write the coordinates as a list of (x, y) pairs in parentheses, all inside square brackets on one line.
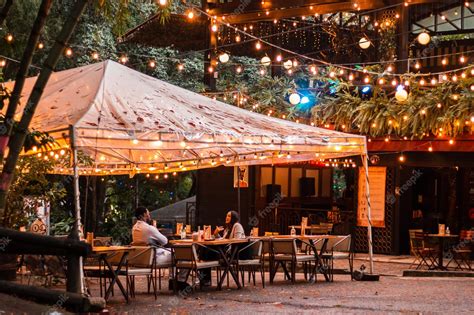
[(377, 179)]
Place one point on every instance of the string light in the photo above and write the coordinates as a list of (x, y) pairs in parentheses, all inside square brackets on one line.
[(258, 45), (123, 59), (68, 52), (180, 67), (152, 64), (430, 149), (190, 15), (9, 38), (401, 158)]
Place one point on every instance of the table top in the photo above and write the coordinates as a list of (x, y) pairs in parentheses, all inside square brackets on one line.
[(443, 235), (300, 237), (222, 241), (107, 249)]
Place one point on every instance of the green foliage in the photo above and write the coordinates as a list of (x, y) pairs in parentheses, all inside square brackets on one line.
[(420, 115), (30, 179)]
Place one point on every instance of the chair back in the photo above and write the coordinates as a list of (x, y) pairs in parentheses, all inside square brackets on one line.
[(284, 246), (143, 256), (414, 243), (256, 248), (114, 258), (185, 252), (343, 244), (327, 227)]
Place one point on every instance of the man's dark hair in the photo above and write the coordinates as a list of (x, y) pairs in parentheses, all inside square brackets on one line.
[(140, 211)]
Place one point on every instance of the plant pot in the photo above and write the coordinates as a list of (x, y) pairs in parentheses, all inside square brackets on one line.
[(8, 266)]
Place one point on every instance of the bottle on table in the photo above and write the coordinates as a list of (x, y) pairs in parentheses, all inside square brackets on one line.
[(293, 231), (447, 230), (183, 233)]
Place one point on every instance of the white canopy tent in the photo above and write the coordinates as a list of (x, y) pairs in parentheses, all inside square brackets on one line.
[(127, 123)]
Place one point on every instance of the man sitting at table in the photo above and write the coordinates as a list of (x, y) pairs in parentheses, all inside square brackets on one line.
[(145, 234)]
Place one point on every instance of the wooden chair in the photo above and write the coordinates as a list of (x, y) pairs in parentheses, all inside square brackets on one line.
[(285, 251), (141, 262), (412, 236), (186, 257), (339, 248), (254, 262), (424, 253), (461, 253)]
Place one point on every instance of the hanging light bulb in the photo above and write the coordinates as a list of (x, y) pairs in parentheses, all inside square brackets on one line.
[(417, 65), (68, 52), (433, 81), (288, 64), (238, 69), (294, 98), (266, 61), (401, 94), (444, 61), (95, 55), (394, 82), (381, 81), (258, 45), (454, 78), (424, 38), (364, 43), (123, 59), (237, 39), (389, 69), (422, 82), (279, 58), (190, 15), (462, 59), (351, 77), (224, 57), (180, 67), (152, 64), (366, 80), (401, 158), (9, 38), (163, 2), (463, 75), (40, 45)]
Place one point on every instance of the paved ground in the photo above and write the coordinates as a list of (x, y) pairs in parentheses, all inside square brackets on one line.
[(392, 294)]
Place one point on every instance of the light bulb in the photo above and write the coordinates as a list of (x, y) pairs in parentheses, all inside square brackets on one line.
[(258, 45), (424, 38), (69, 52), (190, 15), (163, 2)]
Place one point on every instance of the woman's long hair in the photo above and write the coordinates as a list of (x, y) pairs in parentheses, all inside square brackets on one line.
[(234, 218)]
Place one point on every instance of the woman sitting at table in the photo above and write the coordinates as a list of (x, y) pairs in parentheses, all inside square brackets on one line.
[(233, 228)]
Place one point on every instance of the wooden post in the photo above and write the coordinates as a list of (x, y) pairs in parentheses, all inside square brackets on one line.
[(211, 56), (74, 262)]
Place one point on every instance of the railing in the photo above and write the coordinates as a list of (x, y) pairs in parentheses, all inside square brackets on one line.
[(18, 243), (279, 219), (191, 213)]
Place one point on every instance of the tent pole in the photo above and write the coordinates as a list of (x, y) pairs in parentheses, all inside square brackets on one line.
[(75, 281), (238, 189), (365, 164)]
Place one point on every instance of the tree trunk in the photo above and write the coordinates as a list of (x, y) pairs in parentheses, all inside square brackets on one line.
[(18, 139), (6, 128), (4, 12)]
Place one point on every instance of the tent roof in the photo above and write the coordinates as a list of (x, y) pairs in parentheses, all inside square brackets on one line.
[(128, 122)]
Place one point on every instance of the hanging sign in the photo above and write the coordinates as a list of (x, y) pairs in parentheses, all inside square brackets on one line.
[(241, 176), (377, 179)]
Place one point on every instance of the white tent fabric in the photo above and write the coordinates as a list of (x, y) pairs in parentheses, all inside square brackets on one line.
[(128, 122)]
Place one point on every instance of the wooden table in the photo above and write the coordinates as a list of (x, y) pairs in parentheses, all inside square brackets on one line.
[(312, 242), (441, 238), (220, 245), (105, 253), (312, 228)]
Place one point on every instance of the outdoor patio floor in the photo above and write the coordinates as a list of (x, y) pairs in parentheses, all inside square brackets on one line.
[(392, 294)]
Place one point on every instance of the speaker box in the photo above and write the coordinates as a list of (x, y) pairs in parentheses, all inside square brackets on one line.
[(272, 191), (307, 186)]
